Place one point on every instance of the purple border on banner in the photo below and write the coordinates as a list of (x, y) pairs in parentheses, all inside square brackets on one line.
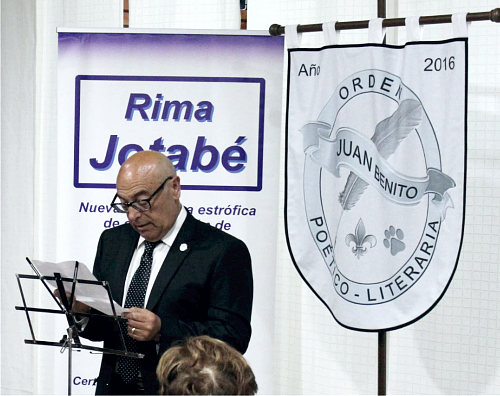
[(260, 81)]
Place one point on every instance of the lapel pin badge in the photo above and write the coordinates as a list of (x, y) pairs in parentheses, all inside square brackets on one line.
[(183, 247)]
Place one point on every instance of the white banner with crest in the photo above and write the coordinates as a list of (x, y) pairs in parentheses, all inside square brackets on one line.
[(375, 177)]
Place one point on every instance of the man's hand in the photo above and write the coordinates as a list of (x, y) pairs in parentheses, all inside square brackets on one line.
[(78, 307), (143, 325)]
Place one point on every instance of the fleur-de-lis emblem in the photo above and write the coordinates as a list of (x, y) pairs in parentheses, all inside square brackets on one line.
[(360, 240)]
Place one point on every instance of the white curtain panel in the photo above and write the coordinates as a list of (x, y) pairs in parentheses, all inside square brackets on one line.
[(185, 14), (263, 13), (456, 348), (29, 169), (17, 151)]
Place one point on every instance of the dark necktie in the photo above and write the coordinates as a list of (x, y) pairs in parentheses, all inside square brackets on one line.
[(128, 367)]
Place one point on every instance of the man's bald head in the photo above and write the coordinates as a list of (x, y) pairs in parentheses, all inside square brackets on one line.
[(147, 164), (139, 177)]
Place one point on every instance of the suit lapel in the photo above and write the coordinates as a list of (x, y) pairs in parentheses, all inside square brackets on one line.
[(128, 244), (179, 250)]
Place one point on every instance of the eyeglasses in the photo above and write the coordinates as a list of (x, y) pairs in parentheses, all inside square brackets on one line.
[(141, 205)]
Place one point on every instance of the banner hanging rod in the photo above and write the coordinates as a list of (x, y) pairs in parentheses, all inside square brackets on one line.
[(493, 15)]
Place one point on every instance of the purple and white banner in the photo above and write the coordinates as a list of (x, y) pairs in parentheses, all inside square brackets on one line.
[(212, 104), (375, 178)]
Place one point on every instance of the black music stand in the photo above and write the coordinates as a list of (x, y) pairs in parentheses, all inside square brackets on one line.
[(71, 339)]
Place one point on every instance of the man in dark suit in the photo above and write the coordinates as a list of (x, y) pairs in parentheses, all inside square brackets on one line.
[(198, 279)]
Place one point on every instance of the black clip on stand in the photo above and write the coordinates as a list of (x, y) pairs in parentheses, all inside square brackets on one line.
[(71, 339)]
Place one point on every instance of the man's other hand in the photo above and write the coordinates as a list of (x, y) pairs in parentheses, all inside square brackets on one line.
[(143, 325), (78, 307)]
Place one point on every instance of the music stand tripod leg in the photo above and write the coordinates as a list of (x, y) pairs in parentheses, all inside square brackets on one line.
[(70, 358)]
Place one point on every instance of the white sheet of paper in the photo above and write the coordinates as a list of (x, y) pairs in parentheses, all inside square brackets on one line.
[(94, 296)]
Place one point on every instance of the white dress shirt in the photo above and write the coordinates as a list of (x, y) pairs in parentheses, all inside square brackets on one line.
[(159, 254)]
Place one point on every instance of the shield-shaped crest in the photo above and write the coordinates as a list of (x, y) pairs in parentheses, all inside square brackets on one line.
[(375, 177)]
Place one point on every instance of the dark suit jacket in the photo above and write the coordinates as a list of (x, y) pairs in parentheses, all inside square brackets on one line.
[(205, 289)]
